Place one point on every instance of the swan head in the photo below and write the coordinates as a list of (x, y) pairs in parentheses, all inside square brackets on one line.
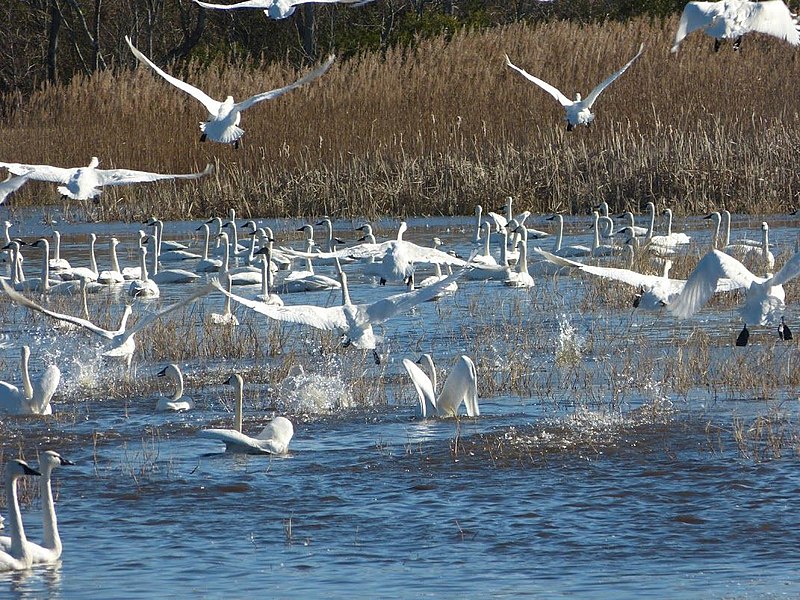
[(236, 381), (577, 97), (50, 459), (16, 468), (94, 162), (42, 243)]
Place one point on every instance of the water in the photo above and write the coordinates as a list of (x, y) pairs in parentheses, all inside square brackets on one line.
[(607, 480)]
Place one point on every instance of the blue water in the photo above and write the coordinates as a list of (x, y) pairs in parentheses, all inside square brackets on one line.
[(613, 488)]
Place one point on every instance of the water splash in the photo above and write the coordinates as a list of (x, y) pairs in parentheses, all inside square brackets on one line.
[(313, 392), (569, 349)]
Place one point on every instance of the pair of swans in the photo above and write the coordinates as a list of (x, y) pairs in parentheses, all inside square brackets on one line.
[(273, 439), (461, 386), (16, 551), (224, 117), (35, 396), (277, 9), (732, 19), (578, 111), (84, 183), (177, 402)]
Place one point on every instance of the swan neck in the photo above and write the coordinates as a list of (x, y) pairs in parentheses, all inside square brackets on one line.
[(727, 229), (205, 246), (487, 251), (57, 244), (652, 224), (143, 264), (669, 222), (559, 233), (26, 378), (114, 259), (239, 403), (46, 266), (15, 519), (92, 258), (596, 242), (50, 538), (178, 386)]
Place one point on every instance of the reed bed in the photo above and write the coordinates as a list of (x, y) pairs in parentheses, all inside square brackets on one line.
[(440, 127)]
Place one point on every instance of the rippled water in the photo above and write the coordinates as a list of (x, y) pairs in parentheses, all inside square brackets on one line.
[(598, 490)]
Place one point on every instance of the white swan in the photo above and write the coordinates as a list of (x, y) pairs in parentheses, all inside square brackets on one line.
[(226, 317), (178, 402), (112, 276), (307, 280), (732, 19), (144, 287), (223, 117), (57, 263), (173, 253), (460, 386), (11, 185), (266, 296), (206, 264), (519, 277), (83, 183), (764, 297), (578, 111), (273, 439), (355, 321), (599, 249), (245, 275), (277, 9), (121, 342), (50, 549), (18, 557), (89, 273), (34, 399), (169, 276)]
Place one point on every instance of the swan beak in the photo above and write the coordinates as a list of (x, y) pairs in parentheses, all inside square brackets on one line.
[(162, 372), (66, 462), (30, 471)]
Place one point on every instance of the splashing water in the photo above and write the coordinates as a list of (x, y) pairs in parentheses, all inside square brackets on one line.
[(570, 346), (313, 392)]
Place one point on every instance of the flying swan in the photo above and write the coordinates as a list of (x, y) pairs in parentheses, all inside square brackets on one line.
[(277, 9), (578, 111), (223, 117)]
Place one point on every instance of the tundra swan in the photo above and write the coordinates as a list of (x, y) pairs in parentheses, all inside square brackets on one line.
[(50, 549), (113, 275), (144, 287), (566, 251), (266, 296), (273, 439), (34, 399), (226, 317), (519, 277), (732, 19), (57, 263), (206, 264), (178, 402), (223, 117), (176, 252), (308, 280), (764, 297), (89, 273), (18, 557), (460, 386), (168, 276), (11, 185), (355, 321), (277, 9), (120, 343), (83, 183), (578, 112)]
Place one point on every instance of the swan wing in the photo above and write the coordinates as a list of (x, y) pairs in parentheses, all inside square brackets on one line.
[(422, 383), (10, 185), (422, 254), (262, 4), (703, 282), (385, 309), (307, 78), (235, 441), (696, 15), (143, 322), (40, 172), (622, 275), (278, 433), (26, 302), (127, 176), (461, 385), (789, 271), (554, 92), (212, 106), (589, 100), (772, 17)]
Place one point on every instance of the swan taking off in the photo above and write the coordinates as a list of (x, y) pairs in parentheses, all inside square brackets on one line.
[(223, 117), (34, 399), (728, 19), (460, 386), (18, 557), (83, 183), (10, 185), (578, 111), (273, 439), (277, 9)]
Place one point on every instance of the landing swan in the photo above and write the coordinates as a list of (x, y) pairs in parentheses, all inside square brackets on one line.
[(50, 549), (277, 9), (273, 439), (460, 386), (18, 557), (223, 117), (34, 399), (177, 403), (579, 110)]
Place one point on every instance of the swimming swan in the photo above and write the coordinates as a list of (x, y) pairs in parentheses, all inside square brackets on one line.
[(579, 110), (273, 439), (83, 183), (34, 399), (121, 342), (177, 403), (277, 9), (18, 557), (223, 117), (50, 549), (460, 386), (728, 19)]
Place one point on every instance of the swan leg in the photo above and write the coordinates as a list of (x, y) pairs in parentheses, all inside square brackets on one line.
[(203, 137), (743, 337), (236, 145), (383, 281), (717, 44), (737, 43), (570, 126)]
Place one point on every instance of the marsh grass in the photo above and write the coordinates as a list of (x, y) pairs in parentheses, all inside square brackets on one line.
[(439, 128)]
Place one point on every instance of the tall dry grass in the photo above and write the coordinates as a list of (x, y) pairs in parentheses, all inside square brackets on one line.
[(444, 126)]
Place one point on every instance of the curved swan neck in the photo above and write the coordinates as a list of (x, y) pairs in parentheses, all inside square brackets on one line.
[(114, 259), (143, 263), (559, 233), (92, 258), (57, 244), (668, 212), (178, 378), (727, 216), (26, 378)]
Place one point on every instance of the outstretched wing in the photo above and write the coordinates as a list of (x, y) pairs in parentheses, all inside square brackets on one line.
[(309, 77), (146, 320), (212, 106), (235, 441), (422, 383), (773, 18), (611, 79), (40, 172), (385, 309), (11, 185), (26, 302), (554, 92), (127, 176), (622, 275), (696, 15), (262, 4), (789, 271)]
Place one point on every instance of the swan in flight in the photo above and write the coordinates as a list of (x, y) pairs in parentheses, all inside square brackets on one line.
[(273, 439), (460, 386), (732, 19), (34, 399), (355, 321), (83, 183), (764, 297), (50, 549), (223, 122), (277, 9), (120, 343), (11, 185), (178, 402), (578, 111), (18, 557)]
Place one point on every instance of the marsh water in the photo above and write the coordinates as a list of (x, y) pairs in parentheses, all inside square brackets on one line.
[(590, 473)]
